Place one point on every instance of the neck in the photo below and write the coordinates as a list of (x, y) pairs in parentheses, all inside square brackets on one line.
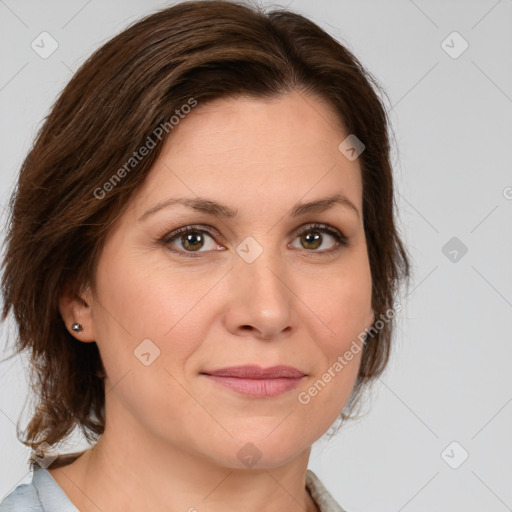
[(150, 473)]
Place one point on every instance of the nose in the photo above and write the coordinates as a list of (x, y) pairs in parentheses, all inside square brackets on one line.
[(260, 298)]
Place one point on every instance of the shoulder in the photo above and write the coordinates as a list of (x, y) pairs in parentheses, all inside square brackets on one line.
[(23, 498), (42, 494)]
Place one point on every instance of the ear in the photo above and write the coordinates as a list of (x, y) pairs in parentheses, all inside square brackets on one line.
[(77, 309)]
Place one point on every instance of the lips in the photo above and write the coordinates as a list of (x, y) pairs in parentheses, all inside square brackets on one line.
[(257, 382), (257, 372)]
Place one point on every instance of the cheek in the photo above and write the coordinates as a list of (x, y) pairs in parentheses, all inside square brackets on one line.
[(157, 314), (143, 297), (145, 314), (340, 348), (342, 302), (340, 311), (147, 326)]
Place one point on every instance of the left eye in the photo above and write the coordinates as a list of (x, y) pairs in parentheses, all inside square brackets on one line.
[(192, 239), (313, 236)]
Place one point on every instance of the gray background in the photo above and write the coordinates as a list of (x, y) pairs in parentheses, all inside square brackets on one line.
[(449, 378)]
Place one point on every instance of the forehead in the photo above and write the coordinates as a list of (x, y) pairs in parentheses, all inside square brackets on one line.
[(252, 152)]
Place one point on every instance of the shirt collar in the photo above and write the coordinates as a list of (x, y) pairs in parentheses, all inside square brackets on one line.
[(51, 496), (320, 495)]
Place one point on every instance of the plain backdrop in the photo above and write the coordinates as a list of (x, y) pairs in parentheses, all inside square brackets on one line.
[(447, 394)]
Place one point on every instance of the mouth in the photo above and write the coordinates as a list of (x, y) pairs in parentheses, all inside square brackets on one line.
[(252, 380)]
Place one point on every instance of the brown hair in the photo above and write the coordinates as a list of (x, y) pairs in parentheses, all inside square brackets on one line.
[(199, 50)]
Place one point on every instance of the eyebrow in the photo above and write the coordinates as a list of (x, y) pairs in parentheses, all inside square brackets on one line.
[(210, 207)]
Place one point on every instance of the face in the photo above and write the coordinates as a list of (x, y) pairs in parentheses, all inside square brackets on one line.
[(269, 284)]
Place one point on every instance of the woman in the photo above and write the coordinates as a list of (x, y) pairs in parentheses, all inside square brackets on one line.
[(202, 261)]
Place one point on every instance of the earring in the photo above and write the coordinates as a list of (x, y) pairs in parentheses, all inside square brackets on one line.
[(76, 327)]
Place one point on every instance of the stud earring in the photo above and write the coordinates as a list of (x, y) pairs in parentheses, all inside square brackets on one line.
[(76, 327)]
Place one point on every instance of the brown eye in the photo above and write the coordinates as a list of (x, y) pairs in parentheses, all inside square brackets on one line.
[(311, 240), (192, 241), (189, 240), (313, 237)]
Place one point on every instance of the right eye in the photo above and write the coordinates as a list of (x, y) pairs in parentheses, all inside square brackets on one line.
[(191, 238)]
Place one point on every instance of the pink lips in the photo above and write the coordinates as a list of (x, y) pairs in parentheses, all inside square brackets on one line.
[(255, 381)]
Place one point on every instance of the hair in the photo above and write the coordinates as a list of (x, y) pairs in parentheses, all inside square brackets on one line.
[(85, 165)]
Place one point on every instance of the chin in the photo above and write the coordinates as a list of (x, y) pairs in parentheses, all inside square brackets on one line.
[(260, 452)]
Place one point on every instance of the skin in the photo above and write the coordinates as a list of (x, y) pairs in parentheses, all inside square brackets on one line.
[(172, 435)]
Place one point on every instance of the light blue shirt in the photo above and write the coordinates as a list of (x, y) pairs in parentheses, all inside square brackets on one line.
[(43, 494)]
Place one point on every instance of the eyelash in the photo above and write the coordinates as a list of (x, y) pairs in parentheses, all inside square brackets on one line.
[(339, 237)]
